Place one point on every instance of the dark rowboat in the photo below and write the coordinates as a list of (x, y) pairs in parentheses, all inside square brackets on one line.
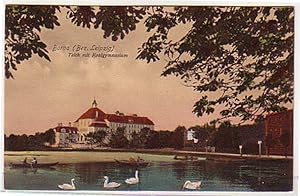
[(226, 159), (132, 163), (28, 165), (185, 158)]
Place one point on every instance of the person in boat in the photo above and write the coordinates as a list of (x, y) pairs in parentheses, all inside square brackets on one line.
[(139, 159), (132, 160), (34, 161), (25, 161)]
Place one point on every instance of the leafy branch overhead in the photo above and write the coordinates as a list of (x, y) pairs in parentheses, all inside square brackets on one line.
[(238, 58), (23, 25)]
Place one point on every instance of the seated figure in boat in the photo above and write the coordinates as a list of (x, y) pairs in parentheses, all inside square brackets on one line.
[(25, 161), (139, 159), (34, 161)]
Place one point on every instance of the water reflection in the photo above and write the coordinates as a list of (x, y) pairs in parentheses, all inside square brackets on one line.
[(160, 176), (29, 170)]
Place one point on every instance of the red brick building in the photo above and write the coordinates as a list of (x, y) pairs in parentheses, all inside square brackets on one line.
[(279, 132)]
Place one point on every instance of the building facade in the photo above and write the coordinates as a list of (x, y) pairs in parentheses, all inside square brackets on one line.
[(65, 136), (279, 132), (94, 119)]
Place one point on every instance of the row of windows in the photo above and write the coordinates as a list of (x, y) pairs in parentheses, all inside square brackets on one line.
[(87, 123), (128, 125)]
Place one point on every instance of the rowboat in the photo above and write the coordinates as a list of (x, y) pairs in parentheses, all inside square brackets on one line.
[(226, 159), (132, 163), (185, 158), (28, 165)]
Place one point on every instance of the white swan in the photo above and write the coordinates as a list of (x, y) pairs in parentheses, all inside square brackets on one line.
[(68, 186), (110, 184), (192, 185), (133, 180)]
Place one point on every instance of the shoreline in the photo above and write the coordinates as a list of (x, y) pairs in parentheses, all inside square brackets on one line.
[(170, 153)]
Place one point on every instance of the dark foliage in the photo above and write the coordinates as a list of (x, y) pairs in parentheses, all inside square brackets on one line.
[(229, 52), (202, 133), (118, 139), (285, 141), (23, 25), (31, 142), (177, 137), (96, 137), (228, 137)]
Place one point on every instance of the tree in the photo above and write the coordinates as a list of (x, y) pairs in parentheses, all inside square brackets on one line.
[(153, 140), (144, 136), (163, 138), (134, 141), (177, 137), (285, 141), (97, 136), (202, 133), (23, 24), (31, 142), (118, 139), (226, 138), (141, 139), (49, 136), (237, 58)]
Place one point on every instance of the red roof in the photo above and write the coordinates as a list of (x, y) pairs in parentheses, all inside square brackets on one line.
[(66, 129), (129, 119), (92, 114), (98, 124)]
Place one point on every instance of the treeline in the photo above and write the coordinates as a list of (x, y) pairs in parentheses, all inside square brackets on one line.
[(227, 137), (147, 138), (29, 142)]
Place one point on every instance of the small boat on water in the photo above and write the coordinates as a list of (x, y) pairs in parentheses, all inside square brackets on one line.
[(132, 163), (38, 165), (226, 159), (185, 157)]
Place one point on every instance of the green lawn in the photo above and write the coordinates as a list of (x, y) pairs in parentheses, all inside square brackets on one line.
[(79, 157)]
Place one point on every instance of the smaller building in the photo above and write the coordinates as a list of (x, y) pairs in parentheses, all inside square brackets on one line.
[(279, 133), (188, 138), (65, 136)]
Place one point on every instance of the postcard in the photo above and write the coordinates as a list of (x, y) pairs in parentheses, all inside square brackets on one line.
[(179, 99)]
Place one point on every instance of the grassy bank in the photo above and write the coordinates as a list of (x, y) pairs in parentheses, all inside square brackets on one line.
[(67, 156), (78, 156)]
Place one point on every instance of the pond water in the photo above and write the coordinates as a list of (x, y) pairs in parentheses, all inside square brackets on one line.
[(158, 176)]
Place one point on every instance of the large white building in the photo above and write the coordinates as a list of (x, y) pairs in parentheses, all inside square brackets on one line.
[(94, 119)]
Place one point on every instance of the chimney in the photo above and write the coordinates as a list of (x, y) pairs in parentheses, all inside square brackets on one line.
[(96, 114), (70, 124)]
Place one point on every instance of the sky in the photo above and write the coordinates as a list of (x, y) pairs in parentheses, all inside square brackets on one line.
[(44, 93)]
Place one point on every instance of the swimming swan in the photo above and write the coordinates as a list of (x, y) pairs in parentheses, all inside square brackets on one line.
[(110, 184), (68, 186), (192, 185), (133, 180)]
